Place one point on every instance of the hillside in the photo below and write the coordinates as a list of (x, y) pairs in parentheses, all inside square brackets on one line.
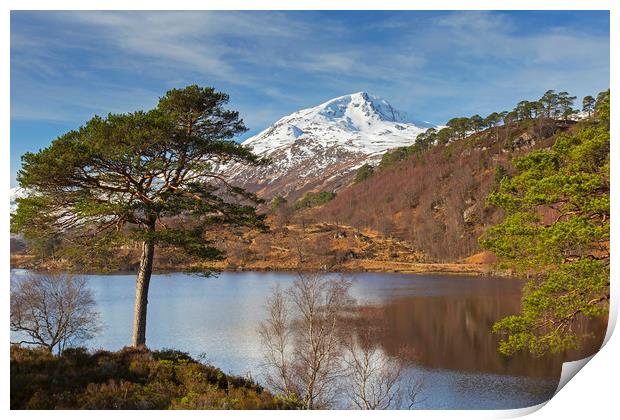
[(354, 184), (416, 210), (298, 245), (435, 199)]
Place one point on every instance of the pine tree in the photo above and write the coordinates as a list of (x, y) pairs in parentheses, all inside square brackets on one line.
[(363, 173), (565, 105), (425, 140), (549, 102), (492, 120), (460, 126), (445, 135), (588, 105), (601, 109), (567, 258), (476, 122), (125, 178)]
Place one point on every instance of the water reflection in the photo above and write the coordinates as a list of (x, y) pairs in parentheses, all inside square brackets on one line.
[(443, 321), (454, 332)]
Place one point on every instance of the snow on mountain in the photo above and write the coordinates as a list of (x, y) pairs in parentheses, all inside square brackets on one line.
[(314, 148), (359, 122), (14, 194)]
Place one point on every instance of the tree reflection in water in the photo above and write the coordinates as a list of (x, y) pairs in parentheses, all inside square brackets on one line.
[(453, 332)]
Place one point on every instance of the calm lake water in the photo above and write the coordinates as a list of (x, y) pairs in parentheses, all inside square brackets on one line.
[(444, 320)]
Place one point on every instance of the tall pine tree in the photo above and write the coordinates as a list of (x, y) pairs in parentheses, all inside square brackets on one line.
[(130, 178)]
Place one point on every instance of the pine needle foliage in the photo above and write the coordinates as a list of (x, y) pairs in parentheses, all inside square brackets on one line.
[(556, 232)]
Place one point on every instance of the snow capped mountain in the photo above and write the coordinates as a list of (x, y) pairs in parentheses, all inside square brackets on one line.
[(358, 121), (317, 148)]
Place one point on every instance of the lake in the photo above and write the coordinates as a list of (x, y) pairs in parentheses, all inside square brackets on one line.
[(445, 320)]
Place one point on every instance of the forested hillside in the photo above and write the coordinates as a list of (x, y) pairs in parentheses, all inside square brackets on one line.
[(557, 233), (433, 193)]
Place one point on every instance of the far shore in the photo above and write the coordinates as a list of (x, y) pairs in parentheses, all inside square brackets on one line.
[(351, 266)]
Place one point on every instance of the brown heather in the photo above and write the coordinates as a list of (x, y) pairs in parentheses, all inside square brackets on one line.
[(436, 200)]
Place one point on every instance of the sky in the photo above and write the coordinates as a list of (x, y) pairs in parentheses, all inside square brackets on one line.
[(69, 66)]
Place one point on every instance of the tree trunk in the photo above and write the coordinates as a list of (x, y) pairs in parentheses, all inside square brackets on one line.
[(142, 290)]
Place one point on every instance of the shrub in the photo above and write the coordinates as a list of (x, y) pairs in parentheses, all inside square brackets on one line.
[(314, 199), (129, 379), (364, 172)]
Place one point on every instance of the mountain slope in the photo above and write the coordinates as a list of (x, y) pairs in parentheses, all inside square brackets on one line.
[(436, 199), (319, 148)]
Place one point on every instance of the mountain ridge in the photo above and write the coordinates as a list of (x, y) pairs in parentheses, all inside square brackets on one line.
[(321, 147)]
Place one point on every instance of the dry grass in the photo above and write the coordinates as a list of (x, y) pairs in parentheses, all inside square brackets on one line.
[(298, 246)]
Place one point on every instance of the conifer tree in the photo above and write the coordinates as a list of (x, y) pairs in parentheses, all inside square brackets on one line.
[(444, 135), (588, 105), (460, 126), (130, 178), (549, 103), (363, 173), (565, 104), (566, 258), (476, 122)]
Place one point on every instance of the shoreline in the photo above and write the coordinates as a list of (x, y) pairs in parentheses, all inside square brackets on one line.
[(352, 266)]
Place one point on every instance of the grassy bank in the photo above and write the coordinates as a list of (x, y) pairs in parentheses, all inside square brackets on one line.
[(129, 379)]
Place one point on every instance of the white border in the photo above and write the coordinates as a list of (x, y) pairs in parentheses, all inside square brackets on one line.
[(591, 395), (311, 5)]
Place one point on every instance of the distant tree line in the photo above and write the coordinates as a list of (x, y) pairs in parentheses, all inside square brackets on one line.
[(308, 200), (543, 114), (313, 199)]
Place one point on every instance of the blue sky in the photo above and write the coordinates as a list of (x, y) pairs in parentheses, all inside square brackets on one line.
[(68, 66)]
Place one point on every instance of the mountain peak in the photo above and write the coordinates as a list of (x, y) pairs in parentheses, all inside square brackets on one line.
[(360, 121), (316, 147), (363, 107), (362, 96), (358, 110)]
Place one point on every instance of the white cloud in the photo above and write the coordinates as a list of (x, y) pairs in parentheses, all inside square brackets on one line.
[(286, 58)]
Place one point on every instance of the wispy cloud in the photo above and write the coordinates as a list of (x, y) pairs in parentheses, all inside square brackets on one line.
[(67, 66), (78, 62)]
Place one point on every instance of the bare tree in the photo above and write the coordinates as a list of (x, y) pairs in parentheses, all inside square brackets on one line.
[(54, 311), (302, 341), (276, 338), (373, 377), (319, 347), (413, 390), (375, 380), (282, 215)]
